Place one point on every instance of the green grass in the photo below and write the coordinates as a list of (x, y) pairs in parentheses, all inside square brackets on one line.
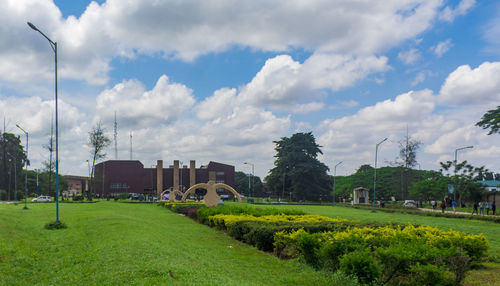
[(111, 243), (490, 229)]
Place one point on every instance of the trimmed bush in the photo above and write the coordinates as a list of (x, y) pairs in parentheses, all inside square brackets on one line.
[(55, 225), (362, 265)]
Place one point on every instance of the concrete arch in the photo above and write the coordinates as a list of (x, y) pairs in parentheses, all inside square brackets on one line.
[(211, 198), (171, 192)]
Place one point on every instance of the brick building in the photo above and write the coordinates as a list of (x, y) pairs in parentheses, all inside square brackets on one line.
[(129, 176)]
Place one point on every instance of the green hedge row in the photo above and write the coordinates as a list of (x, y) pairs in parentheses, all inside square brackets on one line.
[(495, 219), (204, 213)]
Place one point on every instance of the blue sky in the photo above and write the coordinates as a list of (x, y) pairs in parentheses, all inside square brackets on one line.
[(218, 80)]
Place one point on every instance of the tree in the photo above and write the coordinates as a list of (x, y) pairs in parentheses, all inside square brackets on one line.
[(464, 177), (297, 170), (408, 148), (491, 120), (241, 184), (434, 187), (12, 160), (49, 165), (98, 141)]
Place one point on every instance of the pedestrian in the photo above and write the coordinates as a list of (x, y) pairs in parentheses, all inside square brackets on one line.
[(433, 204), (474, 208), (443, 206), (481, 208), (454, 205), (487, 208), (494, 208)]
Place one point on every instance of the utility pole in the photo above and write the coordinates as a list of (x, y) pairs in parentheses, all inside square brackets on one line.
[(375, 173), (116, 135), (334, 174), (130, 145)]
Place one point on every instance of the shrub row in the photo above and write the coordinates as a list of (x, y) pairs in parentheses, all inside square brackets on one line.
[(179, 206), (259, 231), (406, 255), (205, 213), (495, 219)]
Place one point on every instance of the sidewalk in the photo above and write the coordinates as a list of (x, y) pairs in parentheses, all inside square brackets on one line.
[(451, 212)]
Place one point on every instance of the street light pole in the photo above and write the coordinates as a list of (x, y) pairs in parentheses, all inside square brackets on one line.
[(334, 174), (53, 45), (26, 169), (250, 190), (455, 169), (375, 173)]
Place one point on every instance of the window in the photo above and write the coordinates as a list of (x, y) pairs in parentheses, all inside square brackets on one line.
[(219, 173), (119, 186)]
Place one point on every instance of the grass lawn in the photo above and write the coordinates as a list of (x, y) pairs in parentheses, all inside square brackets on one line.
[(490, 275), (109, 243)]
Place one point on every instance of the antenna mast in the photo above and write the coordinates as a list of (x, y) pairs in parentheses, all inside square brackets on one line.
[(130, 145), (116, 135)]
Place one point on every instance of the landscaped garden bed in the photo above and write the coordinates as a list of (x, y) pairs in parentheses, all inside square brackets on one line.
[(378, 253)]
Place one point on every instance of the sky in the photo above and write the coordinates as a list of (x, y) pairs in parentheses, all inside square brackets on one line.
[(221, 80)]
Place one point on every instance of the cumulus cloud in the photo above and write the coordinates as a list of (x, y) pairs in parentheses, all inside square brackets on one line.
[(409, 57), (419, 78), (472, 86), (449, 14), (188, 29), (282, 82), (136, 106), (441, 48)]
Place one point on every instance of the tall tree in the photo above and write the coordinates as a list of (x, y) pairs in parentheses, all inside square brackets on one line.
[(12, 160), (49, 165), (464, 177), (408, 148), (98, 141), (297, 170), (491, 120)]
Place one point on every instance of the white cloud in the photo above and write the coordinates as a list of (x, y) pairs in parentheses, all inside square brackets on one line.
[(307, 107), (136, 107), (441, 48), (449, 14), (409, 57), (220, 104), (189, 29), (419, 78), (282, 82), (472, 86)]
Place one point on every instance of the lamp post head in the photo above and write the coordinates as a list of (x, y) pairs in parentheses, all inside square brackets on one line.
[(32, 26)]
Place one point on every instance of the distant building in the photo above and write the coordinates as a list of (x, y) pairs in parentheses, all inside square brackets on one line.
[(76, 184), (129, 176), (491, 185)]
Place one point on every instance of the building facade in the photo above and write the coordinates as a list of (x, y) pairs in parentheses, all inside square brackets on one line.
[(129, 176)]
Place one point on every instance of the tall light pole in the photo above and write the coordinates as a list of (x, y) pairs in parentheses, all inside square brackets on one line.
[(455, 167), (26, 169), (53, 45), (334, 174), (253, 173), (375, 173), (456, 150)]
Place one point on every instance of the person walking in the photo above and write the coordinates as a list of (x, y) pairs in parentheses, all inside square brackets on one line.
[(454, 205), (433, 203), (494, 208), (443, 206), (474, 208), (487, 208), (481, 208)]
